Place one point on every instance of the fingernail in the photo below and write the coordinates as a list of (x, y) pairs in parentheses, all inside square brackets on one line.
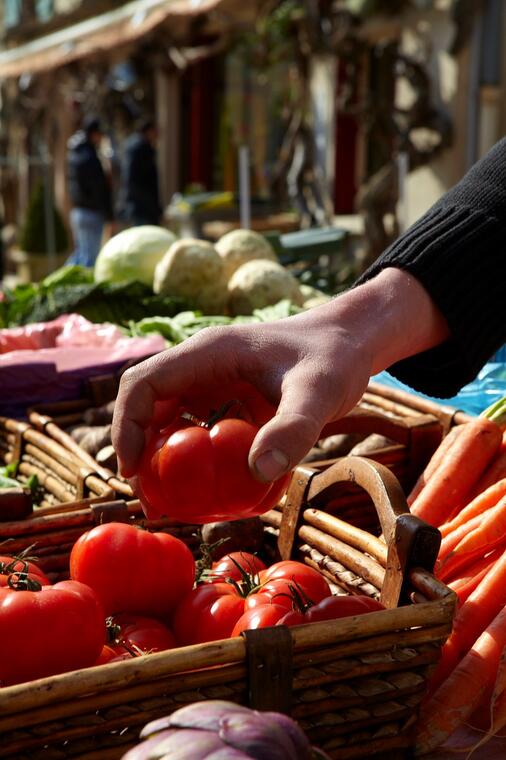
[(271, 465)]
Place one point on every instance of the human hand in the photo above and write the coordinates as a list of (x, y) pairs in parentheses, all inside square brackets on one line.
[(314, 367)]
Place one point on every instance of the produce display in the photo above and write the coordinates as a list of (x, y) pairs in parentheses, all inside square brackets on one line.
[(132, 592), (463, 492), (231, 595)]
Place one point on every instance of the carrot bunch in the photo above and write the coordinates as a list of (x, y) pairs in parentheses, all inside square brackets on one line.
[(462, 491)]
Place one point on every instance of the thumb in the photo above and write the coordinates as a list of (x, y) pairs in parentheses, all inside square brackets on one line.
[(284, 441)]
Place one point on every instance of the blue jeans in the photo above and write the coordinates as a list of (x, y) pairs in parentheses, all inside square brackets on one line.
[(87, 229)]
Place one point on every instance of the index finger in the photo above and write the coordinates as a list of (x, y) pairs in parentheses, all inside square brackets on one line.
[(163, 376)]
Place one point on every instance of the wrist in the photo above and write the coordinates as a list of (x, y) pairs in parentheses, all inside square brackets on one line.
[(390, 317)]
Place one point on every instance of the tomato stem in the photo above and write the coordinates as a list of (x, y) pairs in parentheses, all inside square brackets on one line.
[(6, 568), (220, 413), (204, 564), (21, 581), (215, 416), (301, 601), (195, 420)]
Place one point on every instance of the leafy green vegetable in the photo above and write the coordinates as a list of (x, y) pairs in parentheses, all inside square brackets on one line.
[(187, 323), (68, 275), (7, 476), (8, 483), (72, 290)]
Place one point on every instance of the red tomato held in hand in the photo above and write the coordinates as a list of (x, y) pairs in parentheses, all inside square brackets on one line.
[(53, 630), (142, 633), (132, 570), (333, 608), (17, 565), (227, 567), (207, 613), (195, 464)]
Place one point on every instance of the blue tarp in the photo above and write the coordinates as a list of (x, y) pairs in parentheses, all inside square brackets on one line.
[(489, 386)]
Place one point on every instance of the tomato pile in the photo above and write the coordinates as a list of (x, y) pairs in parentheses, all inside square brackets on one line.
[(133, 592)]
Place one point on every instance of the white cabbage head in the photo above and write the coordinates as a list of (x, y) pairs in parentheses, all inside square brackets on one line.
[(133, 254)]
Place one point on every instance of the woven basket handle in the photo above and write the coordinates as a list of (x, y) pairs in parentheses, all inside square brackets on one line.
[(410, 541)]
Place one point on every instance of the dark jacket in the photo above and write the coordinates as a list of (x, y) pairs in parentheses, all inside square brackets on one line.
[(457, 250), (139, 200), (88, 185)]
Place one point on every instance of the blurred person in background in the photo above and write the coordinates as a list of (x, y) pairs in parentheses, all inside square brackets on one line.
[(139, 198), (90, 193)]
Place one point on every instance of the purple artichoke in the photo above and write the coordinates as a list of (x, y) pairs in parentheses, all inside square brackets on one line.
[(218, 730)]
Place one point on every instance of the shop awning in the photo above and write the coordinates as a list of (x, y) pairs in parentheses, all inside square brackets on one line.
[(94, 35)]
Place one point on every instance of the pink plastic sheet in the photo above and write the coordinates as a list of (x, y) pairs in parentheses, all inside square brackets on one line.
[(51, 361)]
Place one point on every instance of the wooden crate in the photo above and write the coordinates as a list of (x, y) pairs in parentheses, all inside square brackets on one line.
[(63, 475), (354, 684)]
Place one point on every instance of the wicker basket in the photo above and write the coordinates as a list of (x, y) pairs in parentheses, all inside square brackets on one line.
[(415, 434), (414, 440), (354, 684), (53, 428), (63, 475), (404, 404)]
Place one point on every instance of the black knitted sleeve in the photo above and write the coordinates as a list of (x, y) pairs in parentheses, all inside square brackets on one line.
[(457, 250)]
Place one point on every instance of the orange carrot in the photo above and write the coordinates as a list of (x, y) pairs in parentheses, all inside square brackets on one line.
[(496, 719), (451, 540), (483, 501), (454, 701), (434, 462), (477, 612), (495, 471), (463, 464), (477, 565), (465, 585), (481, 538), (484, 717)]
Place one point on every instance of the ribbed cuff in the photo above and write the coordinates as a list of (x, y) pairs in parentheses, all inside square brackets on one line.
[(459, 256)]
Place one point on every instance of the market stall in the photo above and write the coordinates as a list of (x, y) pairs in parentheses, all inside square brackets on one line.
[(363, 594)]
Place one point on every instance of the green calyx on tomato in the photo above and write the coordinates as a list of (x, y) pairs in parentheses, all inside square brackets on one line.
[(198, 472), (18, 573), (240, 569), (23, 581), (213, 610)]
